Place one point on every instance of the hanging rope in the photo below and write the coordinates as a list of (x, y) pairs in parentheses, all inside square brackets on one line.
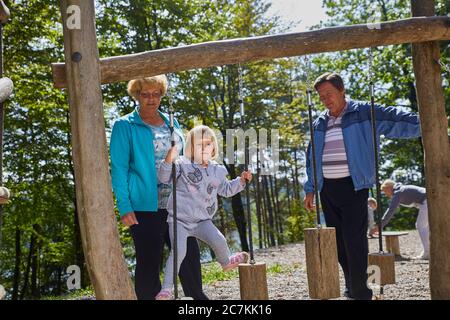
[(378, 210), (311, 133), (308, 68), (174, 190), (247, 189)]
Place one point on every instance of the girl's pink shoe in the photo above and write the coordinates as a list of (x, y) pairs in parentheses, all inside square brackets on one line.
[(235, 260), (164, 294)]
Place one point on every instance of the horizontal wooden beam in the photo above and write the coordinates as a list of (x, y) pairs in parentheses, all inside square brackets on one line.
[(208, 54), (4, 12)]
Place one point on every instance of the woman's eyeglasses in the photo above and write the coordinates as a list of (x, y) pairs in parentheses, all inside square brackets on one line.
[(148, 95)]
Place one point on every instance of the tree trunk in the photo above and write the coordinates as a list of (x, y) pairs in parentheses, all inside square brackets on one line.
[(264, 215), (256, 187), (258, 208), (288, 190), (276, 211), (23, 292), (34, 273), (280, 211), (296, 181), (16, 281), (270, 226), (35, 266), (59, 281), (437, 153)]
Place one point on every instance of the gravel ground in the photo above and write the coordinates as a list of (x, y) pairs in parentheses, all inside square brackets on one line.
[(291, 284)]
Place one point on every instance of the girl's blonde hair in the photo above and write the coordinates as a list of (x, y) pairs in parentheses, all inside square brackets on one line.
[(372, 200), (158, 82), (200, 132)]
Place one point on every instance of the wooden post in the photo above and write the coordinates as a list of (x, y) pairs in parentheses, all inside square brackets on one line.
[(102, 249), (322, 263), (434, 128), (386, 263), (393, 245), (253, 281)]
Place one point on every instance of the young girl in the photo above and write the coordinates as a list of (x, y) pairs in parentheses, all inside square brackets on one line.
[(371, 207), (199, 180)]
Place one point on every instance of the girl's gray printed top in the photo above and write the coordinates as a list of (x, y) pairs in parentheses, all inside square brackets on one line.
[(161, 144), (197, 189)]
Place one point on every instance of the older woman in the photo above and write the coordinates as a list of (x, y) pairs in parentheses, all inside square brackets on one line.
[(139, 142)]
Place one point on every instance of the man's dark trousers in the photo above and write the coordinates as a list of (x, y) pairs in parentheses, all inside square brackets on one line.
[(346, 210)]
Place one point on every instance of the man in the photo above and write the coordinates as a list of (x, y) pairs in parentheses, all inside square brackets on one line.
[(408, 196), (346, 170)]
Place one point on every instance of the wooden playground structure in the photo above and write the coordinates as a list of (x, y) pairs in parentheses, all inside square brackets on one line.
[(83, 73)]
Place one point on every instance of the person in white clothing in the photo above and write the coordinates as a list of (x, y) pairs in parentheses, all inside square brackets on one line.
[(371, 207), (408, 196)]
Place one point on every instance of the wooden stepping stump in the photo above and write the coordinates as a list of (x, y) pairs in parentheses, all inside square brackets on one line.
[(386, 263), (253, 281), (392, 241), (322, 263)]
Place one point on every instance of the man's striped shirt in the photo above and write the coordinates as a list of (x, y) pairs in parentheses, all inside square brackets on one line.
[(334, 160)]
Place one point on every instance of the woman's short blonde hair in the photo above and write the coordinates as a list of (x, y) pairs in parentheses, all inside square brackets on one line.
[(157, 82), (388, 183), (200, 132)]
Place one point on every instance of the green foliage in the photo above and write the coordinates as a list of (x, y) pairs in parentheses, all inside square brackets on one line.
[(37, 156), (40, 236), (81, 294), (403, 219), (212, 272), (298, 221), (278, 268)]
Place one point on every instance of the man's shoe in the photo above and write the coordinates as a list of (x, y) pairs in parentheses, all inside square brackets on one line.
[(422, 256), (347, 294)]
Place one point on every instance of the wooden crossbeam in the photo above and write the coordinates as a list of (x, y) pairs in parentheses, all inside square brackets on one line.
[(4, 12), (208, 54)]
